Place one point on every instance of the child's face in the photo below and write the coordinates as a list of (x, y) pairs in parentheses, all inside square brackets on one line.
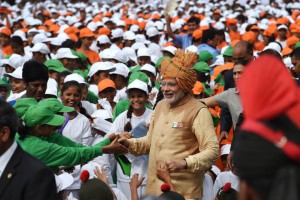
[(137, 99), (108, 93), (71, 97)]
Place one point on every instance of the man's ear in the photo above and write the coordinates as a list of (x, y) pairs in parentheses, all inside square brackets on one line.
[(4, 134)]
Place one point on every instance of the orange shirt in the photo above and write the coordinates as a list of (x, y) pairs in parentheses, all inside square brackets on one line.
[(7, 50), (234, 35), (221, 45), (92, 55)]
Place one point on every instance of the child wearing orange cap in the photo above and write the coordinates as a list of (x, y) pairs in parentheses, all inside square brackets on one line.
[(5, 47), (87, 36)]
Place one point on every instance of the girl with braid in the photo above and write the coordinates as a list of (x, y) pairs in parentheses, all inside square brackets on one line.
[(137, 113)]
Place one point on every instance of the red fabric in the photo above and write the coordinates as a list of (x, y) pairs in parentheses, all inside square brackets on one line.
[(165, 187), (267, 90), (227, 187), (84, 176)]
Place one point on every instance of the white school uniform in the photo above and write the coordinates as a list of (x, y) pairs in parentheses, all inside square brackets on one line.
[(139, 164)]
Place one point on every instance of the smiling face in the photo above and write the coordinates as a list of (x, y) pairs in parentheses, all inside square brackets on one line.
[(138, 99), (71, 96), (171, 91), (36, 89), (18, 85)]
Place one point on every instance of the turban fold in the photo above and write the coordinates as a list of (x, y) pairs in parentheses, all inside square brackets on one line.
[(180, 69)]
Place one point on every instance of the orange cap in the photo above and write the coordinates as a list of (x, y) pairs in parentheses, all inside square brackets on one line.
[(86, 32), (197, 34), (43, 28), (203, 28), (48, 22), (128, 21), (292, 41), (73, 37), (217, 12), (249, 36), (155, 16), (5, 31), (106, 83), (108, 14), (147, 16), (198, 88), (286, 51), (71, 30), (142, 25), (230, 21), (253, 28), (269, 31), (104, 31), (282, 20), (54, 28)]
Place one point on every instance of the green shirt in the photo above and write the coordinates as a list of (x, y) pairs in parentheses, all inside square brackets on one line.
[(92, 98), (58, 150)]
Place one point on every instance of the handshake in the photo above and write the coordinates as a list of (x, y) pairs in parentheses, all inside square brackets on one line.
[(119, 144)]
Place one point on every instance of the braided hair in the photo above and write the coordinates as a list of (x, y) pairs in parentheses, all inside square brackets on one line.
[(128, 126)]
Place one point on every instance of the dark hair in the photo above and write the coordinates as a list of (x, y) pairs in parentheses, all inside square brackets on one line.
[(8, 117), (271, 52), (241, 62), (69, 44), (62, 74), (241, 18), (208, 34), (194, 19), (69, 84), (34, 70), (17, 39), (296, 53)]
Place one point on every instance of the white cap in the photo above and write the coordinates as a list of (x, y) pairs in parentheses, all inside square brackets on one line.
[(141, 38), (75, 77), (121, 69), (21, 34), (39, 38), (100, 66), (120, 23), (130, 53), (129, 35), (65, 53), (170, 49), (275, 46), (152, 31), (106, 53), (103, 39), (57, 41), (149, 68), (219, 61), (288, 62), (143, 52), (219, 26), (159, 25), (134, 28), (16, 74), (119, 56), (40, 47), (90, 167), (32, 30), (282, 26), (63, 181), (94, 89), (138, 84), (225, 149), (15, 61), (102, 124), (138, 45), (117, 33), (51, 87), (192, 48)]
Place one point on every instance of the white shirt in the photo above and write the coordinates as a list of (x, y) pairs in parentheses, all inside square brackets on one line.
[(223, 178), (155, 50), (5, 157), (78, 130), (15, 96), (208, 184), (139, 164), (121, 95)]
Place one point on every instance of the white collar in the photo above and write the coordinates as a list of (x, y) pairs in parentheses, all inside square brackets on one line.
[(5, 157)]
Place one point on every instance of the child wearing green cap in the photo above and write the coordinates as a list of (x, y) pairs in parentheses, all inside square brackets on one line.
[(41, 122)]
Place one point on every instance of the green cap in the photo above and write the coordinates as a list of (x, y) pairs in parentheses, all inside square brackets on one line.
[(55, 105), (158, 63), (138, 75), (41, 115), (80, 55), (84, 73), (297, 45), (22, 105), (228, 51), (55, 65), (202, 67), (5, 84), (205, 55)]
